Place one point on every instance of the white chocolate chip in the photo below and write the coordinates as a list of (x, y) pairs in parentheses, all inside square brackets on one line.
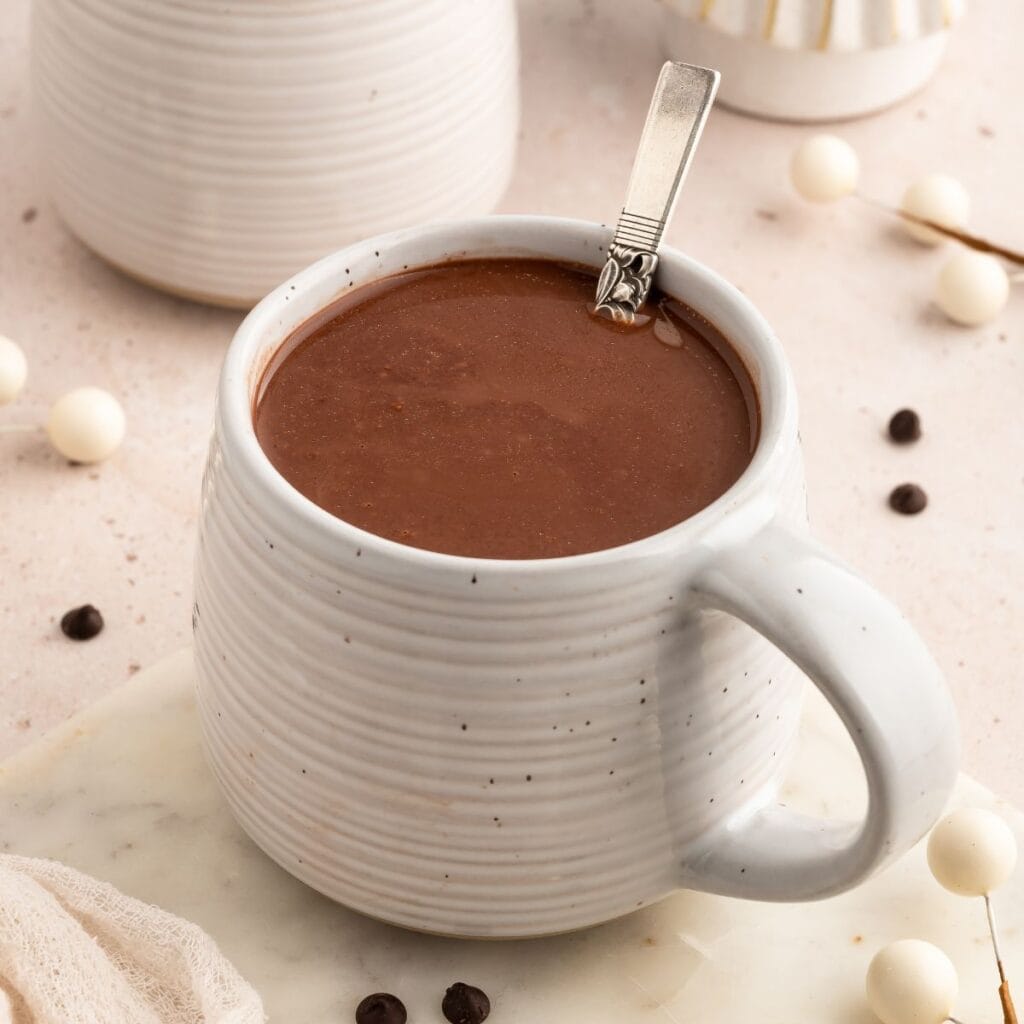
[(911, 982), (13, 370), (940, 199), (86, 425), (972, 852), (824, 168), (972, 288)]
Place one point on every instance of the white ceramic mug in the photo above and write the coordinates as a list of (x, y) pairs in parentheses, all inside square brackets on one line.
[(506, 748)]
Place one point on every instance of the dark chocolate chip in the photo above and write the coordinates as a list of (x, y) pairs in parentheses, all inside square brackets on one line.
[(905, 426), (908, 499), (81, 623), (464, 1004), (381, 1008)]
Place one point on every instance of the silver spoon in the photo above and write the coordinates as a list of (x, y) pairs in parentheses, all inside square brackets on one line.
[(679, 108)]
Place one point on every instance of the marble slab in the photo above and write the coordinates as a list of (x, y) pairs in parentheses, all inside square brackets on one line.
[(122, 792)]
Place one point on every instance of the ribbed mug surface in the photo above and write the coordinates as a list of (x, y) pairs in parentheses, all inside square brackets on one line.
[(471, 746), (214, 149)]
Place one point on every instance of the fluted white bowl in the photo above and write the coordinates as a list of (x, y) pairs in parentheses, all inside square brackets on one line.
[(813, 60), (215, 149)]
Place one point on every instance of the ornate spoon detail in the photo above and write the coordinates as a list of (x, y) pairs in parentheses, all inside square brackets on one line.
[(679, 108)]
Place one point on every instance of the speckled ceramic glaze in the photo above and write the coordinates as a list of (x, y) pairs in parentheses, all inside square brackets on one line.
[(508, 748), (214, 149), (812, 60)]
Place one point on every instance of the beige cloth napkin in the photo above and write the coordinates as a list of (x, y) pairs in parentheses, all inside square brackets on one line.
[(74, 950)]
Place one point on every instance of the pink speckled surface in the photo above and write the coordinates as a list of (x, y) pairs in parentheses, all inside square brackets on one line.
[(847, 294)]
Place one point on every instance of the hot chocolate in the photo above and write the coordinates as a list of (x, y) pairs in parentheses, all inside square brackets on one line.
[(477, 408)]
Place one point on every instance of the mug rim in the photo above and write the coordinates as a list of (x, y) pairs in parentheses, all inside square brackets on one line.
[(760, 351)]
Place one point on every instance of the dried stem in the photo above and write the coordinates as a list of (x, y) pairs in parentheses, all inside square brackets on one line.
[(975, 242), (1009, 1011)]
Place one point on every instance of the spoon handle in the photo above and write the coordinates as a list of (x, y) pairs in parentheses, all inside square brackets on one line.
[(679, 108)]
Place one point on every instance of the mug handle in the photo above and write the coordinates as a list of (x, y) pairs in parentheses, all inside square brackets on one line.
[(878, 676)]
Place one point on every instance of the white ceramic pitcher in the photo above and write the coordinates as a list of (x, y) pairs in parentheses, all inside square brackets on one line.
[(214, 148), (507, 748)]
